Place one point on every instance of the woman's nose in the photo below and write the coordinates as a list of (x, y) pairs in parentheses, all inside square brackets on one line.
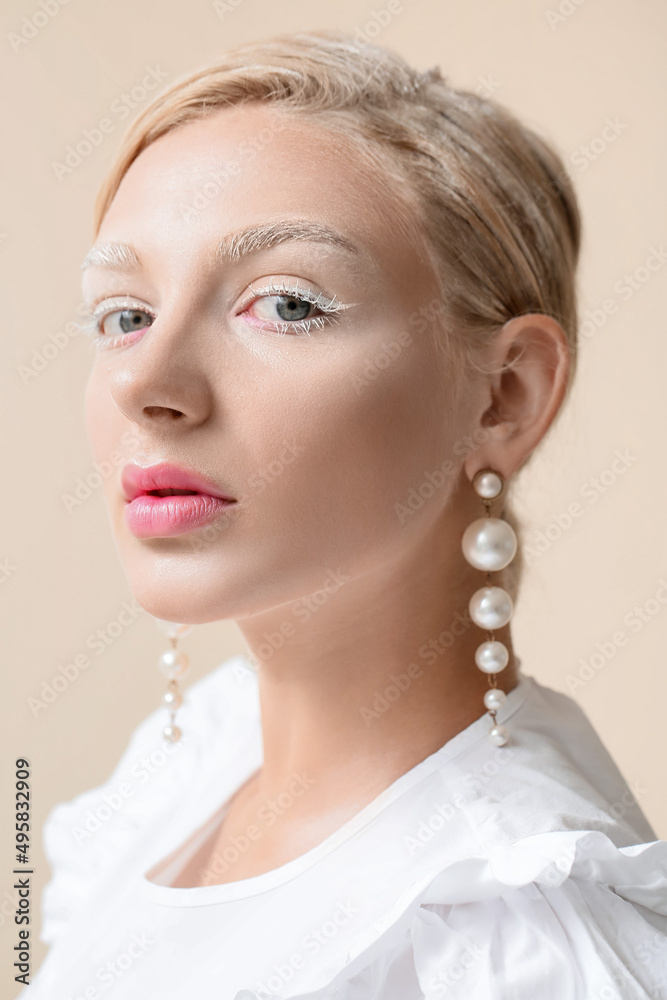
[(164, 378)]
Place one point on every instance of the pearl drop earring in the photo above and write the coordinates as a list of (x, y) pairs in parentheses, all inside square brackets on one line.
[(174, 665), (490, 544)]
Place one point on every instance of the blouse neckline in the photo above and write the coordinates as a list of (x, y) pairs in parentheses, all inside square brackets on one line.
[(244, 888)]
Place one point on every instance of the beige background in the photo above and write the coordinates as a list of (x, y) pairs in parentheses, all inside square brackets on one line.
[(566, 73)]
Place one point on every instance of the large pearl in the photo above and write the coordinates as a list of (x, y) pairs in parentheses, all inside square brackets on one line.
[(488, 485), (173, 664), (490, 607), (173, 630), (492, 657), (494, 699), (489, 543), (499, 735), (172, 733)]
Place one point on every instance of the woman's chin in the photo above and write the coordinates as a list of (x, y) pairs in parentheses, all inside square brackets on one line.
[(186, 608)]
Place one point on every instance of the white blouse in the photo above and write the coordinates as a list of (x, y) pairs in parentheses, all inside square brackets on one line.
[(526, 872)]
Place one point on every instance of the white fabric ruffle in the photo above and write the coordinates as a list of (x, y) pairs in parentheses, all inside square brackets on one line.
[(534, 919), (486, 910)]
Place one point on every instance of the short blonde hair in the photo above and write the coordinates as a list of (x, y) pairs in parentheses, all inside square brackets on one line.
[(492, 198)]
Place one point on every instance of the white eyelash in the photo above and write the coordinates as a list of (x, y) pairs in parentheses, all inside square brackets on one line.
[(91, 317), (321, 301), (332, 307), (90, 324)]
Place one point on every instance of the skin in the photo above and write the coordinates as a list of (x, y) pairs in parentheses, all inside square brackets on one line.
[(206, 386)]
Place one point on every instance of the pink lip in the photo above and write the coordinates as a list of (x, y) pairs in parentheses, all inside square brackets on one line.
[(151, 516)]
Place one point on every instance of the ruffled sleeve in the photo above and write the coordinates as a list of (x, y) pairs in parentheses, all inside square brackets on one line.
[(82, 836), (555, 916)]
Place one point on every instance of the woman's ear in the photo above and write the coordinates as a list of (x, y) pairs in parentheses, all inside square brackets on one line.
[(529, 364)]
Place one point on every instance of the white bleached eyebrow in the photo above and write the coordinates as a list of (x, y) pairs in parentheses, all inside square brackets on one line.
[(118, 256), (231, 248), (256, 238)]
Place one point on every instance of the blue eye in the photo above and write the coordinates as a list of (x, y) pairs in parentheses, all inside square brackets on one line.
[(286, 308), (115, 317), (289, 307), (128, 320)]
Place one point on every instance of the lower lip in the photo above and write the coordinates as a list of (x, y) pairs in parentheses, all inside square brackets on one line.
[(162, 517)]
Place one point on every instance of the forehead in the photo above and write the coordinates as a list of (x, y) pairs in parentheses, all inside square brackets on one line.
[(252, 163)]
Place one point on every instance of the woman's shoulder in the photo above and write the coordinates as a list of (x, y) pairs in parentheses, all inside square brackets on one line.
[(522, 871), (555, 915), (555, 773), (83, 836)]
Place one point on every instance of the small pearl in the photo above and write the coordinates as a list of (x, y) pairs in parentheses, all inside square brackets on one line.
[(491, 607), (489, 543), (173, 664), (172, 733), (488, 485), (172, 699), (499, 735), (494, 699), (173, 630), (492, 657)]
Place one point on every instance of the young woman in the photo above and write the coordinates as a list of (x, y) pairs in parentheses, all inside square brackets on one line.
[(333, 301)]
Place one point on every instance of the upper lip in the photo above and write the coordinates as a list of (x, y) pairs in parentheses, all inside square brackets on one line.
[(140, 479)]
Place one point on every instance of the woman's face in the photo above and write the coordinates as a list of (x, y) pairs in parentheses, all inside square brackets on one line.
[(296, 372)]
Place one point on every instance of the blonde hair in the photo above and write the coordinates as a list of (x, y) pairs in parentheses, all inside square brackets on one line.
[(490, 197)]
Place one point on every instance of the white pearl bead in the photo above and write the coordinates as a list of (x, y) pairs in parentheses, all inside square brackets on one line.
[(492, 657), (491, 607), (173, 664), (173, 630), (494, 699), (499, 735), (172, 699), (172, 733), (488, 485), (489, 543)]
